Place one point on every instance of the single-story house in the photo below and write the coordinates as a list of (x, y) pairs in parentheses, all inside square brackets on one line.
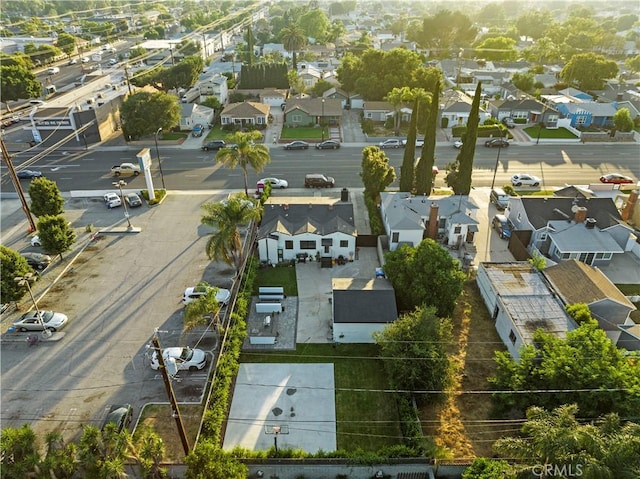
[(587, 114), (360, 308), (312, 111), (521, 302), (577, 282), (245, 113), (529, 110), (191, 114), (409, 219), (313, 227), (377, 110), (309, 74)]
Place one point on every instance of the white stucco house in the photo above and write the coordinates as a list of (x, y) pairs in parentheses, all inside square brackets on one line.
[(312, 227), (360, 308), (215, 85)]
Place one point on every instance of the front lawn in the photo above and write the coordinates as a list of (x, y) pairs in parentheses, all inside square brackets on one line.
[(312, 133), (366, 415), (549, 133)]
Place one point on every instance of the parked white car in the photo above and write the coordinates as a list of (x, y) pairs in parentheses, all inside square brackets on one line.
[(525, 180), (274, 182), (112, 200), (185, 358), (191, 294)]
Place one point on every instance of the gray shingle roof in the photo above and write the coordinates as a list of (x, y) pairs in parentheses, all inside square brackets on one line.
[(320, 219), (364, 306), (542, 210)]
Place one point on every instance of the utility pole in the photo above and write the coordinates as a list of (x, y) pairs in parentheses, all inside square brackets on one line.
[(17, 185), (126, 75), (170, 393)]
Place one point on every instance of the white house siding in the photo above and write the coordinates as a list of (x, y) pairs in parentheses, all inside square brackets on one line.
[(355, 332), (413, 237), (268, 247)]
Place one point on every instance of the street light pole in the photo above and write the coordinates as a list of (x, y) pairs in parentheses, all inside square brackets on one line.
[(120, 184), (26, 281), (495, 170), (322, 120), (159, 160)]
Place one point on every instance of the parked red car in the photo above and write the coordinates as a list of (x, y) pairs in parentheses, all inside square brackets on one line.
[(616, 178)]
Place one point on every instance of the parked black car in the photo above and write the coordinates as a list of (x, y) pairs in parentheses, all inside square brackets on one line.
[(496, 143), (217, 145), (37, 261), (328, 145), (119, 414)]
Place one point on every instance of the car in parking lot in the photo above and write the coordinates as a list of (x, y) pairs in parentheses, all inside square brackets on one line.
[(29, 174), (275, 182), (616, 179), (496, 143), (49, 319), (296, 145), (522, 179), (37, 261), (193, 293), (35, 241), (502, 225), (328, 145), (133, 200), (112, 200), (391, 143), (217, 145), (185, 358), (120, 415)]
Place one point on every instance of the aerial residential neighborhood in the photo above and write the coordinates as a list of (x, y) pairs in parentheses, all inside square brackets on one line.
[(320, 239)]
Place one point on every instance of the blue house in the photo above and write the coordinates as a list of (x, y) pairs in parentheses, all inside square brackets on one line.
[(588, 113)]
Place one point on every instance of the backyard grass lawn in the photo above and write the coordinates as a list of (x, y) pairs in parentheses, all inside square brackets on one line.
[(302, 133), (561, 133), (366, 416), (284, 276)]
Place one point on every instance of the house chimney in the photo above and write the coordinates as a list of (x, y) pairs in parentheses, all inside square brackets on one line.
[(591, 223), (627, 211), (432, 227), (580, 214)]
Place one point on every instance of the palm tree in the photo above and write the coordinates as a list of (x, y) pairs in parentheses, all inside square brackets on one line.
[(246, 153), (293, 39), (151, 450), (206, 306), (399, 97), (226, 243)]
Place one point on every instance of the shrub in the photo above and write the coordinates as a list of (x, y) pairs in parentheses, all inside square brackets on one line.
[(510, 190), (367, 127), (374, 216), (445, 122)]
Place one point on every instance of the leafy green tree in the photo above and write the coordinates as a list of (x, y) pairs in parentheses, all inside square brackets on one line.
[(497, 48), (459, 176), (580, 312), (398, 97), (414, 351), (60, 458), (17, 82), (538, 261), (589, 70), (45, 197), (293, 39), (67, 43), (633, 63), (424, 275), (144, 112), (19, 455), (208, 461), (376, 172), (424, 170), (320, 87), (55, 234), (407, 172), (586, 364), (226, 217), (607, 448), (250, 45), (13, 266), (523, 81), (336, 31), (248, 153), (484, 468), (183, 75), (443, 30), (543, 51), (534, 23), (151, 451), (203, 309), (315, 24), (622, 120)]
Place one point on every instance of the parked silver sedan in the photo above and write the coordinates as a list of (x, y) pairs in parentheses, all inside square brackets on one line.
[(48, 319)]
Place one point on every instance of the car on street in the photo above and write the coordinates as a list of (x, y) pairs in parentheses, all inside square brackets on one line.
[(73, 61), (275, 182), (317, 180), (616, 179), (525, 180), (85, 59), (296, 145), (502, 225), (217, 145), (191, 294), (391, 143), (457, 144), (125, 169), (112, 200), (31, 322), (120, 415), (185, 358), (37, 261), (35, 241), (496, 143), (328, 145), (29, 174), (197, 130), (112, 61), (133, 200)]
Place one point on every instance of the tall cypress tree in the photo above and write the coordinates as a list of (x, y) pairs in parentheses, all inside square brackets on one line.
[(250, 43), (459, 177), (406, 170), (424, 170)]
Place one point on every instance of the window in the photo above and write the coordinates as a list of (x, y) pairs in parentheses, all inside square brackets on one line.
[(566, 255), (512, 337), (296, 118), (457, 229), (307, 245), (344, 243), (288, 244), (327, 241), (395, 237), (543, 236)]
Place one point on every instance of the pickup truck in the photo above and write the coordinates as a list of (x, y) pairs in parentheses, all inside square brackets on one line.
[(125, 169)]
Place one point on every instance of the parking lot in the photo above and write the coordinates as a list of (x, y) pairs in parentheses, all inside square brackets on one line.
[(118, 291)]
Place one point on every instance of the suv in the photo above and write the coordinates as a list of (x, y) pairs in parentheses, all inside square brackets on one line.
[(502, 225), (217, 145), (499, 198), (319, 181)]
